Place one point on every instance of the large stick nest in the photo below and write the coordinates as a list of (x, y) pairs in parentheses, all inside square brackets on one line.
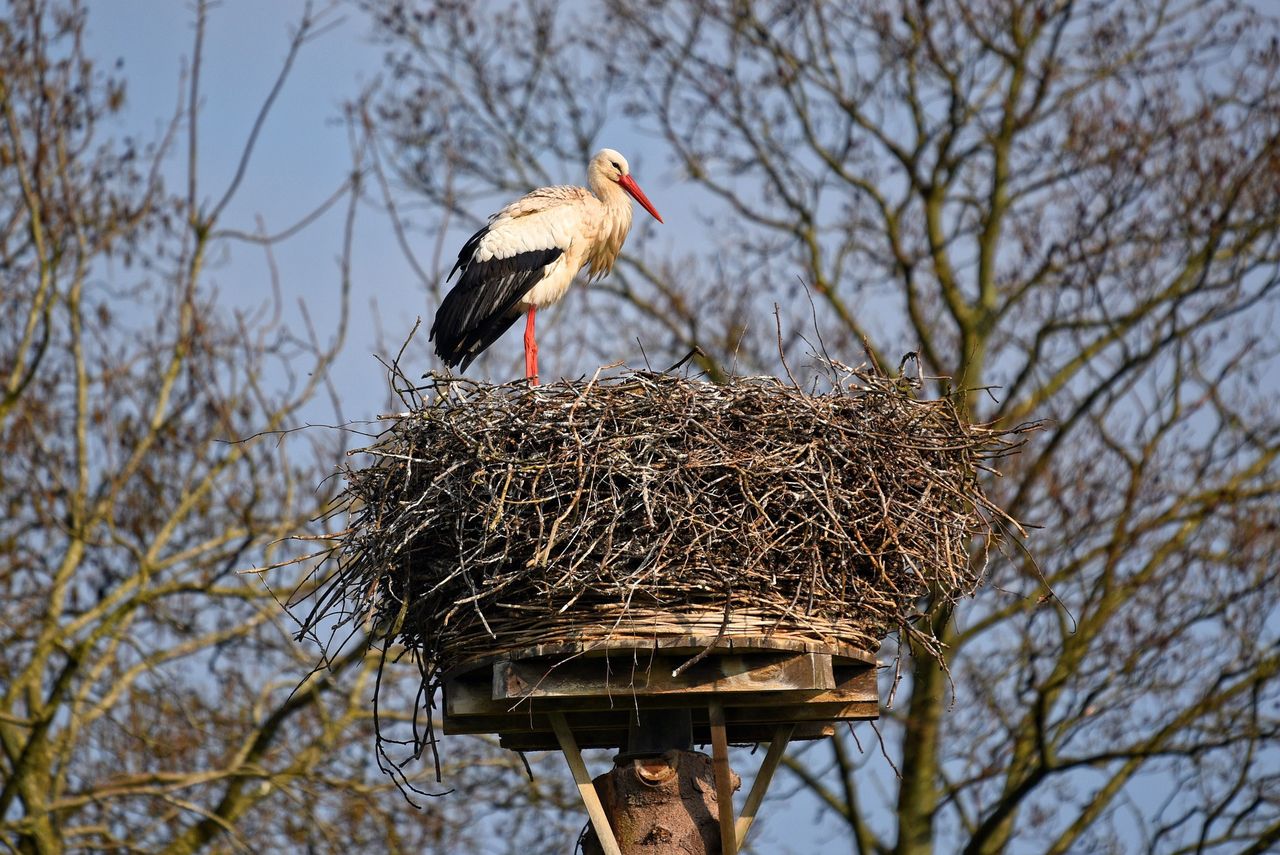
[(492, 518)]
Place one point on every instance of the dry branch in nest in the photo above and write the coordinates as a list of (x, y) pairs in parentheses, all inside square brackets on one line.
[(493, 518)]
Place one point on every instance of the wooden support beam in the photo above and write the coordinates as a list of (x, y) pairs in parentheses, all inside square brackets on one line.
[(586, 789), (472, 694), (625, 676), (724, 780), (647, 645), (701, 736), (760, 785), (737, 718)]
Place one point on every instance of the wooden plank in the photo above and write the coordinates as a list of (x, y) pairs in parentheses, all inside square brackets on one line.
[(586, 789), (525, 721), (613, 739), (679, 644), (471, 696), (724, 781), (654, 676), (745, 734), (760, 785)]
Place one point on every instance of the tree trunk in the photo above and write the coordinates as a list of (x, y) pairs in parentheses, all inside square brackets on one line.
[(663, 805)]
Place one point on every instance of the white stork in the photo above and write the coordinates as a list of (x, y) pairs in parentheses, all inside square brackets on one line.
[(527, 256)]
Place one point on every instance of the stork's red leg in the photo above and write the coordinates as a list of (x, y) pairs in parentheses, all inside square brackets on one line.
[(530, 350)]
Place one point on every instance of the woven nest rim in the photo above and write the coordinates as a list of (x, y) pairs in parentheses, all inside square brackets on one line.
[(495, 519)]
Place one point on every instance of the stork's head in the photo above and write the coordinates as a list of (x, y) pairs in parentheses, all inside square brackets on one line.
[(610, 165)]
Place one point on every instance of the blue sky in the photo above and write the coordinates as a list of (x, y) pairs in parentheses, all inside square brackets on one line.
[(302, 156)]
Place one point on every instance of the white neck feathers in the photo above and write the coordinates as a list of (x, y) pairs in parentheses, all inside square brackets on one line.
[(615, 222)]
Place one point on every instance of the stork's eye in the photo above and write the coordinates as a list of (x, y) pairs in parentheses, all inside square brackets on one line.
[(615, 165)]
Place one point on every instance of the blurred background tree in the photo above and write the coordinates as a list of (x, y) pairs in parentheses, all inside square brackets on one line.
[(151, 696), (1068, 208), (1071, 210)]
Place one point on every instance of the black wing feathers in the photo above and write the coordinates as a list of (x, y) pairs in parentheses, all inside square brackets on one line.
[(482, 306)]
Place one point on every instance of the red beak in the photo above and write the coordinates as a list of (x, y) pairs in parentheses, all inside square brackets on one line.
[(629, 184)]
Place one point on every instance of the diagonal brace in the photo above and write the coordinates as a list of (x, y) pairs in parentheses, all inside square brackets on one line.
[(586, 789), (778, 747)]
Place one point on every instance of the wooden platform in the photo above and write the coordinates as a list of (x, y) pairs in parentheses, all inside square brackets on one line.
[(760, 683)]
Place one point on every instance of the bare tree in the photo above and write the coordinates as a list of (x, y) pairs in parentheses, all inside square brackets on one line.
[(152, 697), (1073, 205)]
